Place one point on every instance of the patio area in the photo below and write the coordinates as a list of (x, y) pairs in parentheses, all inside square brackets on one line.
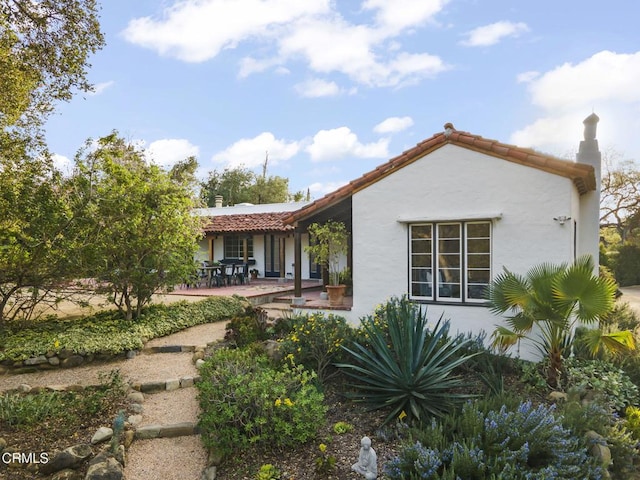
[(262, 291), (258, 291)]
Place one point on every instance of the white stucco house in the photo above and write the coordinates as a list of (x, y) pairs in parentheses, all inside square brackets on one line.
[(440, 220), (255, 234)]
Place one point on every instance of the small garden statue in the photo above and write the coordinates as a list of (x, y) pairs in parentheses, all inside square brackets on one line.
[(367, 461)]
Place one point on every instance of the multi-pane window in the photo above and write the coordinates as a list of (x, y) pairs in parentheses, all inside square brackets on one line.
[(460, 255), (234, 246)]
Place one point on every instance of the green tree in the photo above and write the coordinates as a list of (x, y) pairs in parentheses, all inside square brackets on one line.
[(241, 185), (548, 303), (38, 235), (44, 52), (140, 219)]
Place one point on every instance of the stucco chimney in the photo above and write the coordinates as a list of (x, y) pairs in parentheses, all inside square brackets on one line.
[(218, 199), (589, 223)]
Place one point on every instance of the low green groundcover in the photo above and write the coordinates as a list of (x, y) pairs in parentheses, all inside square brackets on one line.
[(108, 333)]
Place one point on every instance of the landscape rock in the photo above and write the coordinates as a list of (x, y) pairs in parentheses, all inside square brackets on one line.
[(101, 435), (127, 438), (134, 419), (598, 448), (24, 388), (557, 397), (55, 361), (131, 354), (148, 431), (36, 360), (68, 458), (108, 469), (199, 363), (172, 384), (64, 353), (136, 408), (3, 444), (72, 361), (67, 474), (186, 382), (136, 397), (199, 355), (153, 387), (209, 474), (178, 430)]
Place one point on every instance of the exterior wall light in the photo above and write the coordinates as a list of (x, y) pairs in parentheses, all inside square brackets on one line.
[(562, 219)]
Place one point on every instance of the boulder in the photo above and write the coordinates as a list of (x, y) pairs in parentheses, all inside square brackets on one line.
[(67, 474), (106, 469), (68, 458), (72, 361)]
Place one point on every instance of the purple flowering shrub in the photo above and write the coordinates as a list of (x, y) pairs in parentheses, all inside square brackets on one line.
[(525, 443)]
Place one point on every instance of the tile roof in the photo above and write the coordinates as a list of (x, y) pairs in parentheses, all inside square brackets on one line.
[(271, 222), (582, 175)]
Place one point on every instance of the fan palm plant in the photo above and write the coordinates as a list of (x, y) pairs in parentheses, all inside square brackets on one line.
[(405, 366), (554, 299)]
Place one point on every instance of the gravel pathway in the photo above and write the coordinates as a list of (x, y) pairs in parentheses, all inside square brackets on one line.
[(180, 458)]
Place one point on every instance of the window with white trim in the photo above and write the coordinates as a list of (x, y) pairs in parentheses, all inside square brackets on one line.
[(460, 255), (234, 246)]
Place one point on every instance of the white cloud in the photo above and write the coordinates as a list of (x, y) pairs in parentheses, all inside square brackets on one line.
[(197, 30), (169, 151), (527, 77), (491, 34), (400, 14), (319, 189), (250, 152), (290, 30), (393, 125), (62, 163), (606, 83), (316, 87), (99, 88), (606, 76), (335, 46), (342, 142)]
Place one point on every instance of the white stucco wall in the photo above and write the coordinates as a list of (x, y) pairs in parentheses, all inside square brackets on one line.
[(454, 183)]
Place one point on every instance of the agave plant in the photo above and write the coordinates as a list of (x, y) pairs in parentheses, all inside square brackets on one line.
[(555, 299), (405, 366)]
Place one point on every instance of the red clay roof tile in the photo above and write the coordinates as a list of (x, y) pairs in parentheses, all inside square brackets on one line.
[(582, 175), (248, 223)]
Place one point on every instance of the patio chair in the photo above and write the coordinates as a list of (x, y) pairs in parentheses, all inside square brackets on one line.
[(242, 274)]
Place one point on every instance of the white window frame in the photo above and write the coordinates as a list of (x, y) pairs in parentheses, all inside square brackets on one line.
[(463, 257)]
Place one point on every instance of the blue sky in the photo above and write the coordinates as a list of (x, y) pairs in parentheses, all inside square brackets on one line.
[(331, 89)]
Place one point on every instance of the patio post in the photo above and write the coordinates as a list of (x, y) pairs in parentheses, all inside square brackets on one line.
[(297, 267)]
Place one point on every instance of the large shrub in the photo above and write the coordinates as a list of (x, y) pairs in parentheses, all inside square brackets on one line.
[(602, 379), (406, 366), (626, 265), (315, 341), (523, 443), (247, 403)]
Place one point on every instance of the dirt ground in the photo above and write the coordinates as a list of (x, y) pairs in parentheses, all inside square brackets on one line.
[(98, 303)]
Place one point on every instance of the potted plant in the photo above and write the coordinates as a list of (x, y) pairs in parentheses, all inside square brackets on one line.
[(330, 244)]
